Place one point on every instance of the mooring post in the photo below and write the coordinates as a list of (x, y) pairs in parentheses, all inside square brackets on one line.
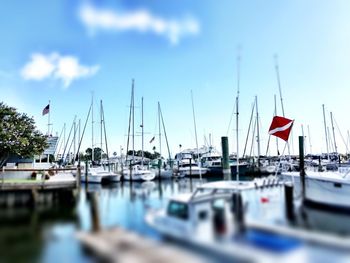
[(302, 166), (159, 167), (238, 212), (225, 163), (95, 218), (288, 196), (86, 172), (191, 168), (78, 175)]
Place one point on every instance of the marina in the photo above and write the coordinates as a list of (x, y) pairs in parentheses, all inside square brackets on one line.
[(174, 131)]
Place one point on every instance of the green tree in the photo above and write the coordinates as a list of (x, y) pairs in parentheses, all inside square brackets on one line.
[(88, 154), (18, 135)]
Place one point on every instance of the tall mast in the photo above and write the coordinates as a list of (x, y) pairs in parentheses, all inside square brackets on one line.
[(75, 133), (325, 130), (101, 123), (281, 98), (130, 113), (257, 129), (105, 134), (92, 127), (335, 144), (142, 130), (195, 132), (166, 138), (250, 123), (276, 115), (159, 130), (237, 113), (133, 124)]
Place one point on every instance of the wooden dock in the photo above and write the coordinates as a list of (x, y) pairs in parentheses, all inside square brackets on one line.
[(122, 246)]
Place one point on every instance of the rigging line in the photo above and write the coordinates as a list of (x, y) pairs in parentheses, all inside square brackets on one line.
[(65, 147), (232, 114), (341, 135), (166, 138), (250, 123)]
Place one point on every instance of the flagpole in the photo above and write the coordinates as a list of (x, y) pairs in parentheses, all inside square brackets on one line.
[(48, 121)]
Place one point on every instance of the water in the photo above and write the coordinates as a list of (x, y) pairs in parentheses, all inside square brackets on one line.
[(47, 234)]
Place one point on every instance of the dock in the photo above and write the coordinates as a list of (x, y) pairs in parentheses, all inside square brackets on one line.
[(47, 186), (122, 246)]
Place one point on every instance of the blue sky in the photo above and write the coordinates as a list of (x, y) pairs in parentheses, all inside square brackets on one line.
[(63, 50)]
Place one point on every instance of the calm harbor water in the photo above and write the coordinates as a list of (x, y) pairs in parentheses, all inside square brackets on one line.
[(47, 234)]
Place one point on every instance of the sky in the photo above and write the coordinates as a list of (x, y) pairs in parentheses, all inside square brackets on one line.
[(65, 51)]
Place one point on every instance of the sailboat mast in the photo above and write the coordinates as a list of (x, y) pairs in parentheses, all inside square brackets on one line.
[(166, 138), (101, 123), (276, 115), (142, 131), (159, 132), (133, 124), (195, 132), (325, 130), (335, 144), (257, 129), (105, 134), (128, 140), (302, 133), (237, 114), (92, 127)]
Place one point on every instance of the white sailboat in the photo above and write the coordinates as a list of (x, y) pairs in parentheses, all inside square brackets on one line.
[(97, 174)]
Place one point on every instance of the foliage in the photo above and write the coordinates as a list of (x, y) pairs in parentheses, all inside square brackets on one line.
[(146, 154), (18, 135), (88, 154)]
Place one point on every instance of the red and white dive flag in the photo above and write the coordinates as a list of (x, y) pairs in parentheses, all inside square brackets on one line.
[(281, 127), (46, 110)]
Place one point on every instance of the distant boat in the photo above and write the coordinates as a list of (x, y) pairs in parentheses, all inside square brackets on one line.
[(99, 175)]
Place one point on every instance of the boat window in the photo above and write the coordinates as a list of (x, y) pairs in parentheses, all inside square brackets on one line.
[(177, 209), (203, 215)]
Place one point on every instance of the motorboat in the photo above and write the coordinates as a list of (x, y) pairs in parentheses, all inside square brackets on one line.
[(138, 173)]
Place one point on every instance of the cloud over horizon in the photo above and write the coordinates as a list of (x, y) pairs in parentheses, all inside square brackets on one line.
[(56, 66), (140, 20)]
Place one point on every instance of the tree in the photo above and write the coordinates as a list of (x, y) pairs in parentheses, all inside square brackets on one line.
[(18, 135), (88, 154)]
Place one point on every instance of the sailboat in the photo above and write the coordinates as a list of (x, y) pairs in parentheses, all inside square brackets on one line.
[(97, 174), (134, 171)]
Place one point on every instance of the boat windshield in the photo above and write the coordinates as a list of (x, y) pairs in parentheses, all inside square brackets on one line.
[(178, 210)]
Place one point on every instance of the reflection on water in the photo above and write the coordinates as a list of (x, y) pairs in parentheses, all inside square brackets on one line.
[(47, 234)]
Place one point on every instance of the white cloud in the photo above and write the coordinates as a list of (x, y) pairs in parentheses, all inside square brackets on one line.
[(140, 20), (54, 65)]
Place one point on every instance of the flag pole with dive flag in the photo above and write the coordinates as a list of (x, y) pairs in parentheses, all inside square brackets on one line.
[(46, 110)]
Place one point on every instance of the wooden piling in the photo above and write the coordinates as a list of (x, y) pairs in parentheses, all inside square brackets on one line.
[(95, 217), (225, 163), (289, 204), (302, 165), (239, 212)]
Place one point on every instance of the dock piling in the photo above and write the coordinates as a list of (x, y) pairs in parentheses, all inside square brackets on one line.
[(302, 165), (225, 159), (288, 195)]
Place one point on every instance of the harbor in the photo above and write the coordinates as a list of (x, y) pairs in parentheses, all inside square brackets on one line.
[(172, 131)]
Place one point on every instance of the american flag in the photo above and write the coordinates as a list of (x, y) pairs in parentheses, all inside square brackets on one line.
[(46, 109)]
